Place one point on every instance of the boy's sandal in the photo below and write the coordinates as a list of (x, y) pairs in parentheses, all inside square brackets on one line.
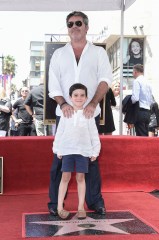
[(63, 214), (81, 214)]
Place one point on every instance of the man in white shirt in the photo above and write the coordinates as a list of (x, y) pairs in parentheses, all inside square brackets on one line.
[(141, 92), (79, 62)]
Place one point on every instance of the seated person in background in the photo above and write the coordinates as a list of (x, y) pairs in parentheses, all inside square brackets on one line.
[(5, 112), (76, 141)]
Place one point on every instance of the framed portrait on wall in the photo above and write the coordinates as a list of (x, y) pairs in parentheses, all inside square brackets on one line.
[(50, 104), (133, 53)]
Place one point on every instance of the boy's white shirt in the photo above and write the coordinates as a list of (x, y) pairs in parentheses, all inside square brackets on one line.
[(77, 135)]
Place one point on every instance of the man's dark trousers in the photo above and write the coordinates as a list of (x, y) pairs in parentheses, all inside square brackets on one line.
[(143, 119)]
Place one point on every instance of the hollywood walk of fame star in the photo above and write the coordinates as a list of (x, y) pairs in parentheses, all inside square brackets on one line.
[(75, 225)]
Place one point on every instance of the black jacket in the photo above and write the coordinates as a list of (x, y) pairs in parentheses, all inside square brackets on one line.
[(130, 110), (154, 109)]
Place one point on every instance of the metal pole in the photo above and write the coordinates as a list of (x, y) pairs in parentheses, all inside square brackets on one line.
[(2, 68), (121, 68)]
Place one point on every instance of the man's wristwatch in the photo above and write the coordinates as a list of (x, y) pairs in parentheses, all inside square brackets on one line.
[(62, 104)]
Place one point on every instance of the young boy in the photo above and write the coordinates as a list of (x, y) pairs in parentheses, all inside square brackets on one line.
[(76, 141)]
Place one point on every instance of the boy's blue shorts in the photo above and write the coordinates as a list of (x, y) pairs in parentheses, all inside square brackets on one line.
[(75, 163)]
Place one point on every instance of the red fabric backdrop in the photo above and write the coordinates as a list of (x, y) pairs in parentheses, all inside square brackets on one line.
[(126, 164)]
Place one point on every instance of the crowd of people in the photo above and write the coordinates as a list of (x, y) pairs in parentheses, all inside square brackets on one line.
[(24, 116)]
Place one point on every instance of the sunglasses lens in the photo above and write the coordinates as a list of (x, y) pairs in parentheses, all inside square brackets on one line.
[(77, 23), (70, 24)]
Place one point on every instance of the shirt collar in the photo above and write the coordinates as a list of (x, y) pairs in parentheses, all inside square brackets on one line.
[(68, 45)]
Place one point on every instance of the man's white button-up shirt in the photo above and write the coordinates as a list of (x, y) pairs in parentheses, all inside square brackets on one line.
[(93, 68)]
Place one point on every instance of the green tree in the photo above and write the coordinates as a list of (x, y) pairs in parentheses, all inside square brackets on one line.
[(13, 88), (9, 67)]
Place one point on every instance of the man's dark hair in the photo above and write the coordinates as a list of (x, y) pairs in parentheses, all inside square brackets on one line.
[(77, 86), (81, 14), (139, 68)]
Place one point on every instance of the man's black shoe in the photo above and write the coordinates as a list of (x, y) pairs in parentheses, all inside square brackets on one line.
[(53, 212), (100, 211)]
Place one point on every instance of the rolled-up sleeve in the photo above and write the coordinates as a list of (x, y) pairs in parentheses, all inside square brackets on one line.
[(54, 76), (104, 67)]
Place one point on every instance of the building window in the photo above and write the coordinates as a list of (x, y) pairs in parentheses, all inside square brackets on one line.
[(37, 65)]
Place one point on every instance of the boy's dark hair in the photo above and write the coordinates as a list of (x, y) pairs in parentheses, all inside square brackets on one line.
[(81, 14), (77, 86), (139, 68)]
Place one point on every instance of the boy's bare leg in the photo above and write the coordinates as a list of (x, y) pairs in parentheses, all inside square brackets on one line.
[(66, 176), (81, 187)]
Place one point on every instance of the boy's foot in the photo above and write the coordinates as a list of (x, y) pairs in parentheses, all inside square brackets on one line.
[(63, 214), (81, 214)]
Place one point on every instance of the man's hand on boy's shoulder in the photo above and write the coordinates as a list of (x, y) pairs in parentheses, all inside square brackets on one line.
[(93, 159), (67, 110)]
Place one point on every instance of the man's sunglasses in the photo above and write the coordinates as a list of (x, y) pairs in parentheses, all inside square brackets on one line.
[(77, 23)]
